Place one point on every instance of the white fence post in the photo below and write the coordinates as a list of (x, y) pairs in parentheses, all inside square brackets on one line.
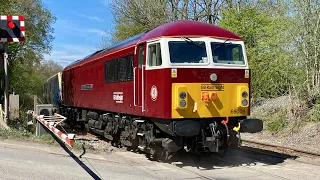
[(2, 122)]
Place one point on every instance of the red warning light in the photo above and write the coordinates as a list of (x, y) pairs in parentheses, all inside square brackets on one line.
[(11, 25)]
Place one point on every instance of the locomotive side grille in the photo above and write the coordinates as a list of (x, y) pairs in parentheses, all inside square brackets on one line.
[(119, 70)]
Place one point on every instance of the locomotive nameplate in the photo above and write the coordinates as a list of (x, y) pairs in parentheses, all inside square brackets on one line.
[(86, 87), (212, 87)]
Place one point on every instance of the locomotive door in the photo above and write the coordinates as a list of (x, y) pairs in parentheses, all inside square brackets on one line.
[(139, 77)]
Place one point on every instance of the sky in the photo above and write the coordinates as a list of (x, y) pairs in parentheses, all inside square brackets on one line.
[(79, 28)]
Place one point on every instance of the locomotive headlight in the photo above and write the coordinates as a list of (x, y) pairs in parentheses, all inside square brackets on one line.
[(244, 94), (183, 103), (180, 97), (183, 95), (244, 102)]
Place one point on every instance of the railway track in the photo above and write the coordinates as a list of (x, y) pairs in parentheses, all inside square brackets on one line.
[(279, 151), (190, 165), (276, 150)]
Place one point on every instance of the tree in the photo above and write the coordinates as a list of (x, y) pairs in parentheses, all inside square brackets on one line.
[(305, 33), (264, 27), (48, 68), (136, 16), (26, 56)]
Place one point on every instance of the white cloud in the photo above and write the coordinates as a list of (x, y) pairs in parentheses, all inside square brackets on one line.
[(90, 30), (67, 27), (65, 54), (95, 18), (98, 31)]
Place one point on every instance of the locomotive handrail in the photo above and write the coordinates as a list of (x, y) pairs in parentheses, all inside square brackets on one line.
[(142, 84), (134, 86)]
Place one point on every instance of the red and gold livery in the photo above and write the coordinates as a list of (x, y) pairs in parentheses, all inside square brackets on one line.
[(184, 84)]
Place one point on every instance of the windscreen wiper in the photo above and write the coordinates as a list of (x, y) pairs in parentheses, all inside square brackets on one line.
[(221, 44), (192, 42)]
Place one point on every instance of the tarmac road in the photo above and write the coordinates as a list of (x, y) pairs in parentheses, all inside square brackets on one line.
[(28, 160)]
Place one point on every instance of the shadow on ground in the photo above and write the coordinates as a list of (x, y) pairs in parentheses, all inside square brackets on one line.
[(244, 156), (235, 157), (75, 158)]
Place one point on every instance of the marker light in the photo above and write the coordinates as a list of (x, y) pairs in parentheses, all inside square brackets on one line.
[(11, 25), (213, 77)]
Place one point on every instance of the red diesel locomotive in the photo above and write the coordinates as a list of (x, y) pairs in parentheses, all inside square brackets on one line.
[(183, 85)]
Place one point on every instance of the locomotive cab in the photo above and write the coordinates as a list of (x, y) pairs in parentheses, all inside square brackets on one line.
[(206, 78), (208, 83)]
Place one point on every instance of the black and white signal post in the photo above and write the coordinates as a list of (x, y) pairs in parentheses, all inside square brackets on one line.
[(11, 30)]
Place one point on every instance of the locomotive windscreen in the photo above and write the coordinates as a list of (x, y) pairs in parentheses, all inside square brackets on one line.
[(227, 53), (188, 52)]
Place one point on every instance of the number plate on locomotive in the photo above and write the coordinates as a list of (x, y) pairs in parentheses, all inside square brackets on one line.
[(238, 111), (212, 87)]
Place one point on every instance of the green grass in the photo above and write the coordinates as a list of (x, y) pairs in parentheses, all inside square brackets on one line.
[(15, 134), (275, 122), (314, 113), (78, 145)]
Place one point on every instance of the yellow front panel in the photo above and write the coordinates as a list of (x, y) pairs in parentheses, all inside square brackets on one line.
[(204, 100)]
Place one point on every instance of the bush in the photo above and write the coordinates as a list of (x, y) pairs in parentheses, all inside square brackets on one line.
[(276, 122), (314, 113)]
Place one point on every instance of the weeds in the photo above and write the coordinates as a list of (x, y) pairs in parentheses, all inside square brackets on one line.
[(276, 122), (314, 113), (14, 134)]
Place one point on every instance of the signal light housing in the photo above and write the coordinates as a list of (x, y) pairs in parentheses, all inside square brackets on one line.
[(243, 96), (181, 97), (12, 29)]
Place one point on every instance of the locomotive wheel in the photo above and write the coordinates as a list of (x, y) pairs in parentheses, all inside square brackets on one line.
[(164, 156), (116, 141)]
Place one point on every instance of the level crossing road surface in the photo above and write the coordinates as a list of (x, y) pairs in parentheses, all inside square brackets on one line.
[(29, 160)]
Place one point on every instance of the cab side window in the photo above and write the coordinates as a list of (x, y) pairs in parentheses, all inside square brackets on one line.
[(154, 55), (141, 56)]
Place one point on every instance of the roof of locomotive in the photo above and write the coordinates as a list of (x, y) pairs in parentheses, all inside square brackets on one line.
[(182, 28)]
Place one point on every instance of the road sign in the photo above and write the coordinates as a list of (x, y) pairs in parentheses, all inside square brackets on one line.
[(12, 29)]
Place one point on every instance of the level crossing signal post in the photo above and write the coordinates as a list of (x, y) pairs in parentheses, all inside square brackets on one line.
[(12, 29)]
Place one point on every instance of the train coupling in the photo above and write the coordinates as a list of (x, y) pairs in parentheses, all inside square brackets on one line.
[(251, 125)]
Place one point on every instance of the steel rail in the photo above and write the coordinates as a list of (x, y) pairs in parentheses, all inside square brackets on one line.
[(282, 147)]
